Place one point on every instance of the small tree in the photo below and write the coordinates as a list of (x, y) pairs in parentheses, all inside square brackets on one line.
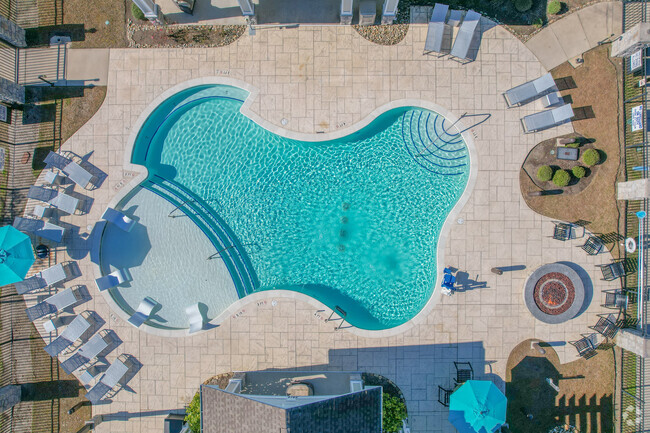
[(591, 157), (394, 413), (193, 416), (579, 171), (554, 7), (523, 5), (545, 173), (561, 178)]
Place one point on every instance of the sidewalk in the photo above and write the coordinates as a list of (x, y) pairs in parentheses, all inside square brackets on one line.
[(576, 33)]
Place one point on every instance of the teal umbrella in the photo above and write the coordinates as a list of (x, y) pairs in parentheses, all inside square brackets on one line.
[(16, 255), (477, 407)]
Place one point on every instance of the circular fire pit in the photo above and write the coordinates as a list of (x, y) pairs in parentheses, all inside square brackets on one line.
[(554, 293)]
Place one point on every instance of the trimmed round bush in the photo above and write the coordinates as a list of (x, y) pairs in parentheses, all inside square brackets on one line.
[(578, 171), (394, 413), (523, 5), (554, 7), (545, 173), (591, 157), (561, 178), (136, 12)]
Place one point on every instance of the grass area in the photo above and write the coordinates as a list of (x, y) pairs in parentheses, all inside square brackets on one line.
[(596, 87), (585, 399)]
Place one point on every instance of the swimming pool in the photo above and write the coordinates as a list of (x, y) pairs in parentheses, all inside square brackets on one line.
[(353, 222)]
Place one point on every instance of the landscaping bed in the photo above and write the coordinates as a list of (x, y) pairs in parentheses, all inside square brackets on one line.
[(383, 35), (144, 35)]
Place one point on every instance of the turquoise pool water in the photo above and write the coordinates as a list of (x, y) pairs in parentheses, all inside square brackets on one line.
[(352, 222)]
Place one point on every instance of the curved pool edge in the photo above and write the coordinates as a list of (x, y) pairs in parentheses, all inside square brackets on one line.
[(246, 110)]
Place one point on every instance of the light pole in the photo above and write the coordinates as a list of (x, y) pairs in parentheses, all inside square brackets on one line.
[(641, 284)]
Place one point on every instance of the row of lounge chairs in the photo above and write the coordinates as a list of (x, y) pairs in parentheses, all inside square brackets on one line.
[(440, 33), (75, 172)]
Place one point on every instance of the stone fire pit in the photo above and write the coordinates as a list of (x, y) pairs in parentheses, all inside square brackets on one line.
[(554, 293)]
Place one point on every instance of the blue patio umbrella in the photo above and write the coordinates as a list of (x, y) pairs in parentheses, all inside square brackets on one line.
[(16, 255), (477, 407)]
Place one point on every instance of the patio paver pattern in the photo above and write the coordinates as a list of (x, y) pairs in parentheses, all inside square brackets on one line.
[(320, 78)]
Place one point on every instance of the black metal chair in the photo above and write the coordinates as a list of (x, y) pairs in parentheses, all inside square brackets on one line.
[(612, 271), (592, 245), (444, 395), (616, 299), (464, 372), (606, 326), (562, 231), (586, 346)]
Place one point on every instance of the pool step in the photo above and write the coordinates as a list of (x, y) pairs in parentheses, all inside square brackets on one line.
[(432, 146)]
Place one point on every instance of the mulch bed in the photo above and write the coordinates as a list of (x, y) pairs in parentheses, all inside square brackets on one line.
[(221, 380), (143, 35), (383, 35)]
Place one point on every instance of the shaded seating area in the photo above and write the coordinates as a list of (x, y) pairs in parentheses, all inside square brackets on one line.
[(547, 119), (86, 353), (143, 312), (612, 271), (54, 304), (586, 346), (593, 245), (113, 375), (439, 33), (530, 91), (40, 228), (48, 277), (69, 336), (606, 326), (113, 279)]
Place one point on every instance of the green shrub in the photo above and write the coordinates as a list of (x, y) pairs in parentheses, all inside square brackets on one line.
[(579, 171), (554, 7), (523, 5), (136, 12), (545, 173), (575, 145), (591, 157), (538, 23), (193, 416), (561, 178), (394, 413)]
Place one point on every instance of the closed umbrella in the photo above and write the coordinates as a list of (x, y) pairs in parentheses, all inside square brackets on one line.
[(478, 406), (16, 255)]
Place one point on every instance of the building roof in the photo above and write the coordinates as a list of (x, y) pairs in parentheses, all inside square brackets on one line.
[(225, 412)]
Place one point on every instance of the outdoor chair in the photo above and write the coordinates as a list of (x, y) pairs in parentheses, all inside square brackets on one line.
[(74, 171), (606, 326), (612, 271), (40, 228), (439, 34), (616, 299), (547, 119), (70, 334), (113, 279), (195, 318), (563, 231), (592, 245), (61, 201), (53, 304), (464, 372), (530, 91), (444, 395), (86, 353), (119, 219), (467, 35), (47, 277), (115, 372), (143, 312), (586, 346)]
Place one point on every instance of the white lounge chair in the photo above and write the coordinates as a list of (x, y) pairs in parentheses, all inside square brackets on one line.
[(53, 304), (195, 318), (40, 228), (86, 353), (439, 34), (74, 171), (113, 279), (530, 90), (115, 372), (467, 34), (143, 312), (547, 119), (70, 334), (54, 198), (119, 219), (48, 277)]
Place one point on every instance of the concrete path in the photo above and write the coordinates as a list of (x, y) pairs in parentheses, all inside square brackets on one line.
[(576, 33), (88, 65)]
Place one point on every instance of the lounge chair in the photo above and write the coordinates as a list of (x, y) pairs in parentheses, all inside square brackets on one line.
[(70, 334), (143, 312), (467, 34), (606, 326), (48, 277), (115, 372), (530, 90), (74, 171), (40, 228), (616, 299), (547, 119), (586, 346), (54, 198), (86, 353), (113, 279), (439, 34), (118, 218), (195, 318), (53, 304), (592, 245), (612, 271)]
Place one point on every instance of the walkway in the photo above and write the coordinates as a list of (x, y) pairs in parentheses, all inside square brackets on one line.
[(328, 78), (576, 33)]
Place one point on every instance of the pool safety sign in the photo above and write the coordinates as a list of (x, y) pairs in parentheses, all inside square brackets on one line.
[(4, 114), (637, 118), (635, 61)]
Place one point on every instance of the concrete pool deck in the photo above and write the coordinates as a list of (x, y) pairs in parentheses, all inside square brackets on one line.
[(327, 79)]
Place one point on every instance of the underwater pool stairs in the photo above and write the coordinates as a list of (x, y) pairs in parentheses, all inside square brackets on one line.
[(227, 246)]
